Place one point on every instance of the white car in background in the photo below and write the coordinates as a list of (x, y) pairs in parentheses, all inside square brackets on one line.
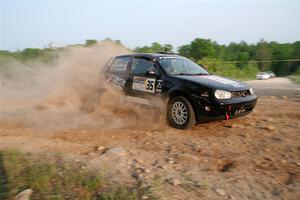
[(263, 76), (272, 74)]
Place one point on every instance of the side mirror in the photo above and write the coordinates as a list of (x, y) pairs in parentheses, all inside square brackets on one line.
[(151, 73)]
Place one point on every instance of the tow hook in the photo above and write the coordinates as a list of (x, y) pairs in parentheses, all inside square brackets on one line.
[(228, 112)]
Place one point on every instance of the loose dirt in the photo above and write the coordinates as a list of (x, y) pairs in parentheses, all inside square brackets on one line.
[(67, 108), (252, 157)]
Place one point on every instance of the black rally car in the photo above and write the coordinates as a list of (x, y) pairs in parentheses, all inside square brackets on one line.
[(192, 94)]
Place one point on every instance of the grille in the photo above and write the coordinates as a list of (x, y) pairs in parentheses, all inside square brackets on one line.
[(242, 93), (241, 108)]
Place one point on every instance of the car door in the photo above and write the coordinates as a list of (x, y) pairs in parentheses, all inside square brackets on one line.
[(140, 82), (117, 71)]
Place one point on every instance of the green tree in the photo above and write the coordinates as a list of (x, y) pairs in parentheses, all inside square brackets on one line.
[(154, 48), (242, 58), (185, 50), (201, 48), (168, 48), (281, 52), (263, 54), (31, 53), (90, 42), (296, 55)]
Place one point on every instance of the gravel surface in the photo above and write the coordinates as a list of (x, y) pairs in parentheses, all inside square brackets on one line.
[(252, 157), (279, 87)]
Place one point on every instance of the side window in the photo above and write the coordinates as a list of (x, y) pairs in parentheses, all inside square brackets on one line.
[(119, 65), (141, 66)]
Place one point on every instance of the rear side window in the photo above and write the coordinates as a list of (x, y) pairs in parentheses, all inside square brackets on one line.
[(141, 66), (119, 64)]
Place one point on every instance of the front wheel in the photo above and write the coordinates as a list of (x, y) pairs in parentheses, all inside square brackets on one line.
[(180, 113)]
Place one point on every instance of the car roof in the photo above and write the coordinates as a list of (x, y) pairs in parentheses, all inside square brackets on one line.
[(151, 55)]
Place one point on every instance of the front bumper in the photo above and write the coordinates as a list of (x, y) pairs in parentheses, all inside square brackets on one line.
[(225, 109)]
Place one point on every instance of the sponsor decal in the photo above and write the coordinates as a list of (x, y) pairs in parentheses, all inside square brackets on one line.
[(224, 81), (204, 94), (159, 86), (143, 84), (116, 80)]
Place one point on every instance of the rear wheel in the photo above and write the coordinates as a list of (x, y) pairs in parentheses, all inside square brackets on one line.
[(180, 113)]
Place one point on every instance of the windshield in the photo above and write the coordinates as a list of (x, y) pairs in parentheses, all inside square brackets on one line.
[(262, 73), (181, 66)]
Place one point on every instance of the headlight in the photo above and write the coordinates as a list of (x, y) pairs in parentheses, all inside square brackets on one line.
[(222, 94), (251, 91)]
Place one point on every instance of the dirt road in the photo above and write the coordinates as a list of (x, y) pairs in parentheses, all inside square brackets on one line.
[(278, 87), (253, 157)]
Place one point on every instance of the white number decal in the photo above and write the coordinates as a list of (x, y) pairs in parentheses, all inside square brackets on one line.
[(143, 84)]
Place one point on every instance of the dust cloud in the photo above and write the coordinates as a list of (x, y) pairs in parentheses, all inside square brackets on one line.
[(70, 93)]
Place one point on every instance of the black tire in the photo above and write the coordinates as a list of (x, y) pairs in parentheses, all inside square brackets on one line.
[(184, 119)]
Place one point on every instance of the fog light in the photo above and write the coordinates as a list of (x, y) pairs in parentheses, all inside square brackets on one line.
[(207, 108)]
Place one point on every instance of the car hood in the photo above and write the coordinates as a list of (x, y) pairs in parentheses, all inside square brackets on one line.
[(216, 82)]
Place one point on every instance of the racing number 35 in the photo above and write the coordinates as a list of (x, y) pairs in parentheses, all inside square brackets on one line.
[(150, 83)]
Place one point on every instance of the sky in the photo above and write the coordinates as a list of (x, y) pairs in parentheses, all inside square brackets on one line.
[(36, 24)]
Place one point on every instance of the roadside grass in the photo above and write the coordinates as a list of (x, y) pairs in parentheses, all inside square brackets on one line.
[(53, 178), (295, 78), (245, 72)]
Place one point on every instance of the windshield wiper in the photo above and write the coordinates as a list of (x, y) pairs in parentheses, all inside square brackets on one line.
[(182, 74), (187, 74), (201, 74)]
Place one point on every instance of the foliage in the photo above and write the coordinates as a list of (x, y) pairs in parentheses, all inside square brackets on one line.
[(238, 60), (154, 48), (218, 67), (202, 48), (29, 55), (54, 178), (233, 60), (34, 55), (264, 55), (90, 42), (185, 50), (295, 77)]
